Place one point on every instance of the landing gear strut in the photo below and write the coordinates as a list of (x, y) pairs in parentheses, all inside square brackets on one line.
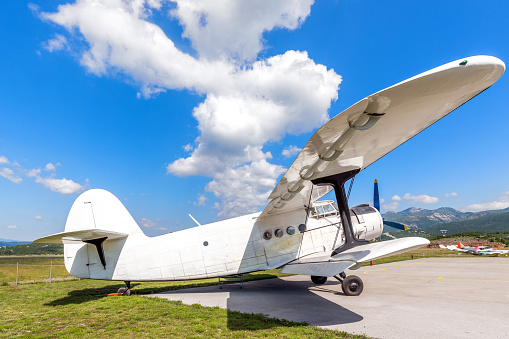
[(351, 285), (125, 290)]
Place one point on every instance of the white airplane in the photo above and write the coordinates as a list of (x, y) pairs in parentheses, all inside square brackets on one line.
[(452, 248), (485, 250), (295, 231)]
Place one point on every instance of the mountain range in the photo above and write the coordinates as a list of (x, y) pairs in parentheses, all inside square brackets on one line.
[(435, 220)]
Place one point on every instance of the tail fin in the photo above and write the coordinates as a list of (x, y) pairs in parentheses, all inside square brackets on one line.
[(99, 209), (97, 220)]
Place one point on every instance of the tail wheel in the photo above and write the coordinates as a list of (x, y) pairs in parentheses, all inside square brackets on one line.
[(352, 285), (318, 280), (124, 291)]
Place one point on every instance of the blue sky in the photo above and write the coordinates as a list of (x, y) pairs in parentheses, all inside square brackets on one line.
[(181, 109)]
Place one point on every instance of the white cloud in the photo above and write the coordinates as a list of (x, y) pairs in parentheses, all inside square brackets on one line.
[(502, 202), (201, 200), (454, 194), (56, 44), (3, 160), (38, 217), (188, 148), (396, 198), (9, 174), (391, 206), (291, 151), (244, 188), (12, 226), (33, 172), (63, 186), (146, 222), (247, 104), (232, 28), (161, 229), (421, 199)]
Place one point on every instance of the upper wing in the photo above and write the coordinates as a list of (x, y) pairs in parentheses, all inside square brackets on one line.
[(379, 123)]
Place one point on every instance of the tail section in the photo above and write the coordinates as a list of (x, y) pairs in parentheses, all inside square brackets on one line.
[(99, 209), (96, 230)]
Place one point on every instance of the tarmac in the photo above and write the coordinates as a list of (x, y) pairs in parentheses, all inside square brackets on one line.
[(422, 298)]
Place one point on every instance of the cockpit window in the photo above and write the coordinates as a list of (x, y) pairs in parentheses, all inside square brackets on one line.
[(324, 208)]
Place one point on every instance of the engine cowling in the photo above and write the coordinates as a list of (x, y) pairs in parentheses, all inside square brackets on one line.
[(366, 221)]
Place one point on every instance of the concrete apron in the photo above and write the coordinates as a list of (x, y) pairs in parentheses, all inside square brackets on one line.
[(439, 297)]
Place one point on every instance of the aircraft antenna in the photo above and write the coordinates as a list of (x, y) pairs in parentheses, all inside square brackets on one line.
[(194, 220)]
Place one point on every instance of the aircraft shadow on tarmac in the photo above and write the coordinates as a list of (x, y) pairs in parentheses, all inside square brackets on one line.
[(295, 301)]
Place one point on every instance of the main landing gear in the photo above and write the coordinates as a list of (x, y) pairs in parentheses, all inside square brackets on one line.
[(351, 285), (125, 290)]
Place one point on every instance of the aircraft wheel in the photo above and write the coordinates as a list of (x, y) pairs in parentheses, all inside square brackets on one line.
[(352, 285), (318, 280), (124, 291)]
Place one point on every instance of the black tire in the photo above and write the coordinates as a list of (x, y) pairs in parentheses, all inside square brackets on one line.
[(318, 280), (352, 285), (124, 291)]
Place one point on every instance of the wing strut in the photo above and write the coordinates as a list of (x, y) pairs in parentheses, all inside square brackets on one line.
[(338, 182)]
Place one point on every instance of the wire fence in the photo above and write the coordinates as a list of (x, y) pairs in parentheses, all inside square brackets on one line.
[(19, 273)]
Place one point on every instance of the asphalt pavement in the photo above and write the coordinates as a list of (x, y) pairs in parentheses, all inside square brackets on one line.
[(423, 298)]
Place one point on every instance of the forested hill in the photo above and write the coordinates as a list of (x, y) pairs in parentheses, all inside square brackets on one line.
[(426, 219), (494, 223)]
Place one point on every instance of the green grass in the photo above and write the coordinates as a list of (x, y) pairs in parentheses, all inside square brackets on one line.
[(32, 268), (80, 309)]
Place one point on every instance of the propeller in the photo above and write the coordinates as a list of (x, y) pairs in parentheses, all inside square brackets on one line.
[(376, 204)]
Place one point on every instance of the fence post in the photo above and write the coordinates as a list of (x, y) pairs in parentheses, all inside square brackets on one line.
[(17, 271), (50, 269)]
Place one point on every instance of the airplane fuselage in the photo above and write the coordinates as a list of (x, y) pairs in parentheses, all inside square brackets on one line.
[(234, 246)]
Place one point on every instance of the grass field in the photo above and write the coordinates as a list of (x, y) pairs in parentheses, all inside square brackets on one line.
[(37, 268), (82, 309)]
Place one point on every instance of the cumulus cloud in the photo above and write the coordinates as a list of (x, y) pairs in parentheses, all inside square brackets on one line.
[(392, 206), (63, 186), (243, 188), (247, 103), (291, 151), (161, 229), (56, 44), (201, 200), (12, 226), (396, 198), (3, 160), (146, 222), (7, 173), (502, 202), (421, 199), (234, 28), (38, 217), (188, 148)]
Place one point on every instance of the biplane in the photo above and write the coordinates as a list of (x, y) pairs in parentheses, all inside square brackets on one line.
[(296, 232)]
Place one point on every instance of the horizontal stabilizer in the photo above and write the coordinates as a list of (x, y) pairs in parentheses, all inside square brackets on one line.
[(80, 236), (326, 266)]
